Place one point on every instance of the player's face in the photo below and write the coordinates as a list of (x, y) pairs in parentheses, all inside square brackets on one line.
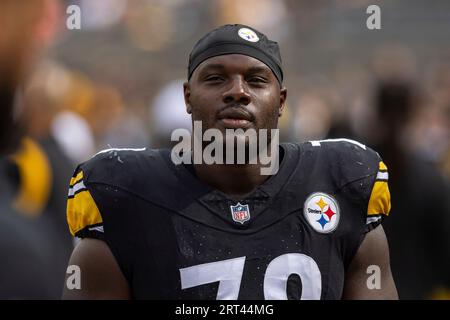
[(234, 91)]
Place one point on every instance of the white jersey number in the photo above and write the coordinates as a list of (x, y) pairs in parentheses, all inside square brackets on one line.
[(229, 274)]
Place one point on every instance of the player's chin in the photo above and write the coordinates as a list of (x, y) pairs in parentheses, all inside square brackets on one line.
[(234, 124)]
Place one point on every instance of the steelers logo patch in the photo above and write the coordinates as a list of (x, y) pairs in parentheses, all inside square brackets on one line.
[(322, 212), (248, 34)]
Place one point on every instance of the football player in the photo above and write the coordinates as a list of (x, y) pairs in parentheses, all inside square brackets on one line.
[(152, 229)]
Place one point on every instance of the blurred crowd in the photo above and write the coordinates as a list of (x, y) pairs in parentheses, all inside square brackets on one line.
[(117, 82)]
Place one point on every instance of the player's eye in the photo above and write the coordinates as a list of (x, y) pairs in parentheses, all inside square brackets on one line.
[(257, 80), (213, 78)]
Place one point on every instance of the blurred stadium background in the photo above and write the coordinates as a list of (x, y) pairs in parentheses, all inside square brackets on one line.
[(117, 82)]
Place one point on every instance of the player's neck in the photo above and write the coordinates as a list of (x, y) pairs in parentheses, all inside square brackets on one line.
[(237, 180), (234, 180)]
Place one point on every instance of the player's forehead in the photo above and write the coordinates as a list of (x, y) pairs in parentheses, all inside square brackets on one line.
[(238, 63)]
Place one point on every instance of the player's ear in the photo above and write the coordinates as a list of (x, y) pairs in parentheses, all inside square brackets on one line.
[(283, 96), (187, 95)]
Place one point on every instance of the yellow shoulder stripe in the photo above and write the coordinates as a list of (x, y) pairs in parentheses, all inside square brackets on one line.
[(380, 199), (82, 212), (35, 178), (76, 179)]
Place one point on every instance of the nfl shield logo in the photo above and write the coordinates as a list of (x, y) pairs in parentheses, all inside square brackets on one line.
[(240, 213)]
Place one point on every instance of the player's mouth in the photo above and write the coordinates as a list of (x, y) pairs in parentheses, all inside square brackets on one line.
[(235, 118)]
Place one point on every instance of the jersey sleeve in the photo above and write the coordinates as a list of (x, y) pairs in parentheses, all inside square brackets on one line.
[(83, 216), (360, 173), (379, 205)]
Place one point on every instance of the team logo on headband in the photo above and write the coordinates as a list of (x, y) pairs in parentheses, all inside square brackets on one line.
[(248, 34)]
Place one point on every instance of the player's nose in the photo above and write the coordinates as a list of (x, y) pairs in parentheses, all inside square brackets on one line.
[(237, 92)]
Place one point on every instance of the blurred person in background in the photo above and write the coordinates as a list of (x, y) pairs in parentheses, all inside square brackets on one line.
[(167, 113), (418, 229), (27, 269), (41, 167)]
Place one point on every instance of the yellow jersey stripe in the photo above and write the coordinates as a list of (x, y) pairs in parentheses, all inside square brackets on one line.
[(380, 199), (82, 212), (76, 179), (382, 166)]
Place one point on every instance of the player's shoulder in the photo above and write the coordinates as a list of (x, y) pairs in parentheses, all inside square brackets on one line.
[(119, 166), (146, 173), (354, 170), (129, 170), (349, 159), (344, 149)]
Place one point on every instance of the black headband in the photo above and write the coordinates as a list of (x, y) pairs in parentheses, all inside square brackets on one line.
[(240, 39)]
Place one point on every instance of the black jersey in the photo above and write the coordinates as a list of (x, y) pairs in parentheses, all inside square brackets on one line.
[(175, 237)]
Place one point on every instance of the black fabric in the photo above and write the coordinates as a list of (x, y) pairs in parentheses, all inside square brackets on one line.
[(418, 231), (56, 205), (25, 270), (9, 171), (226, 40), (160, 219)]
